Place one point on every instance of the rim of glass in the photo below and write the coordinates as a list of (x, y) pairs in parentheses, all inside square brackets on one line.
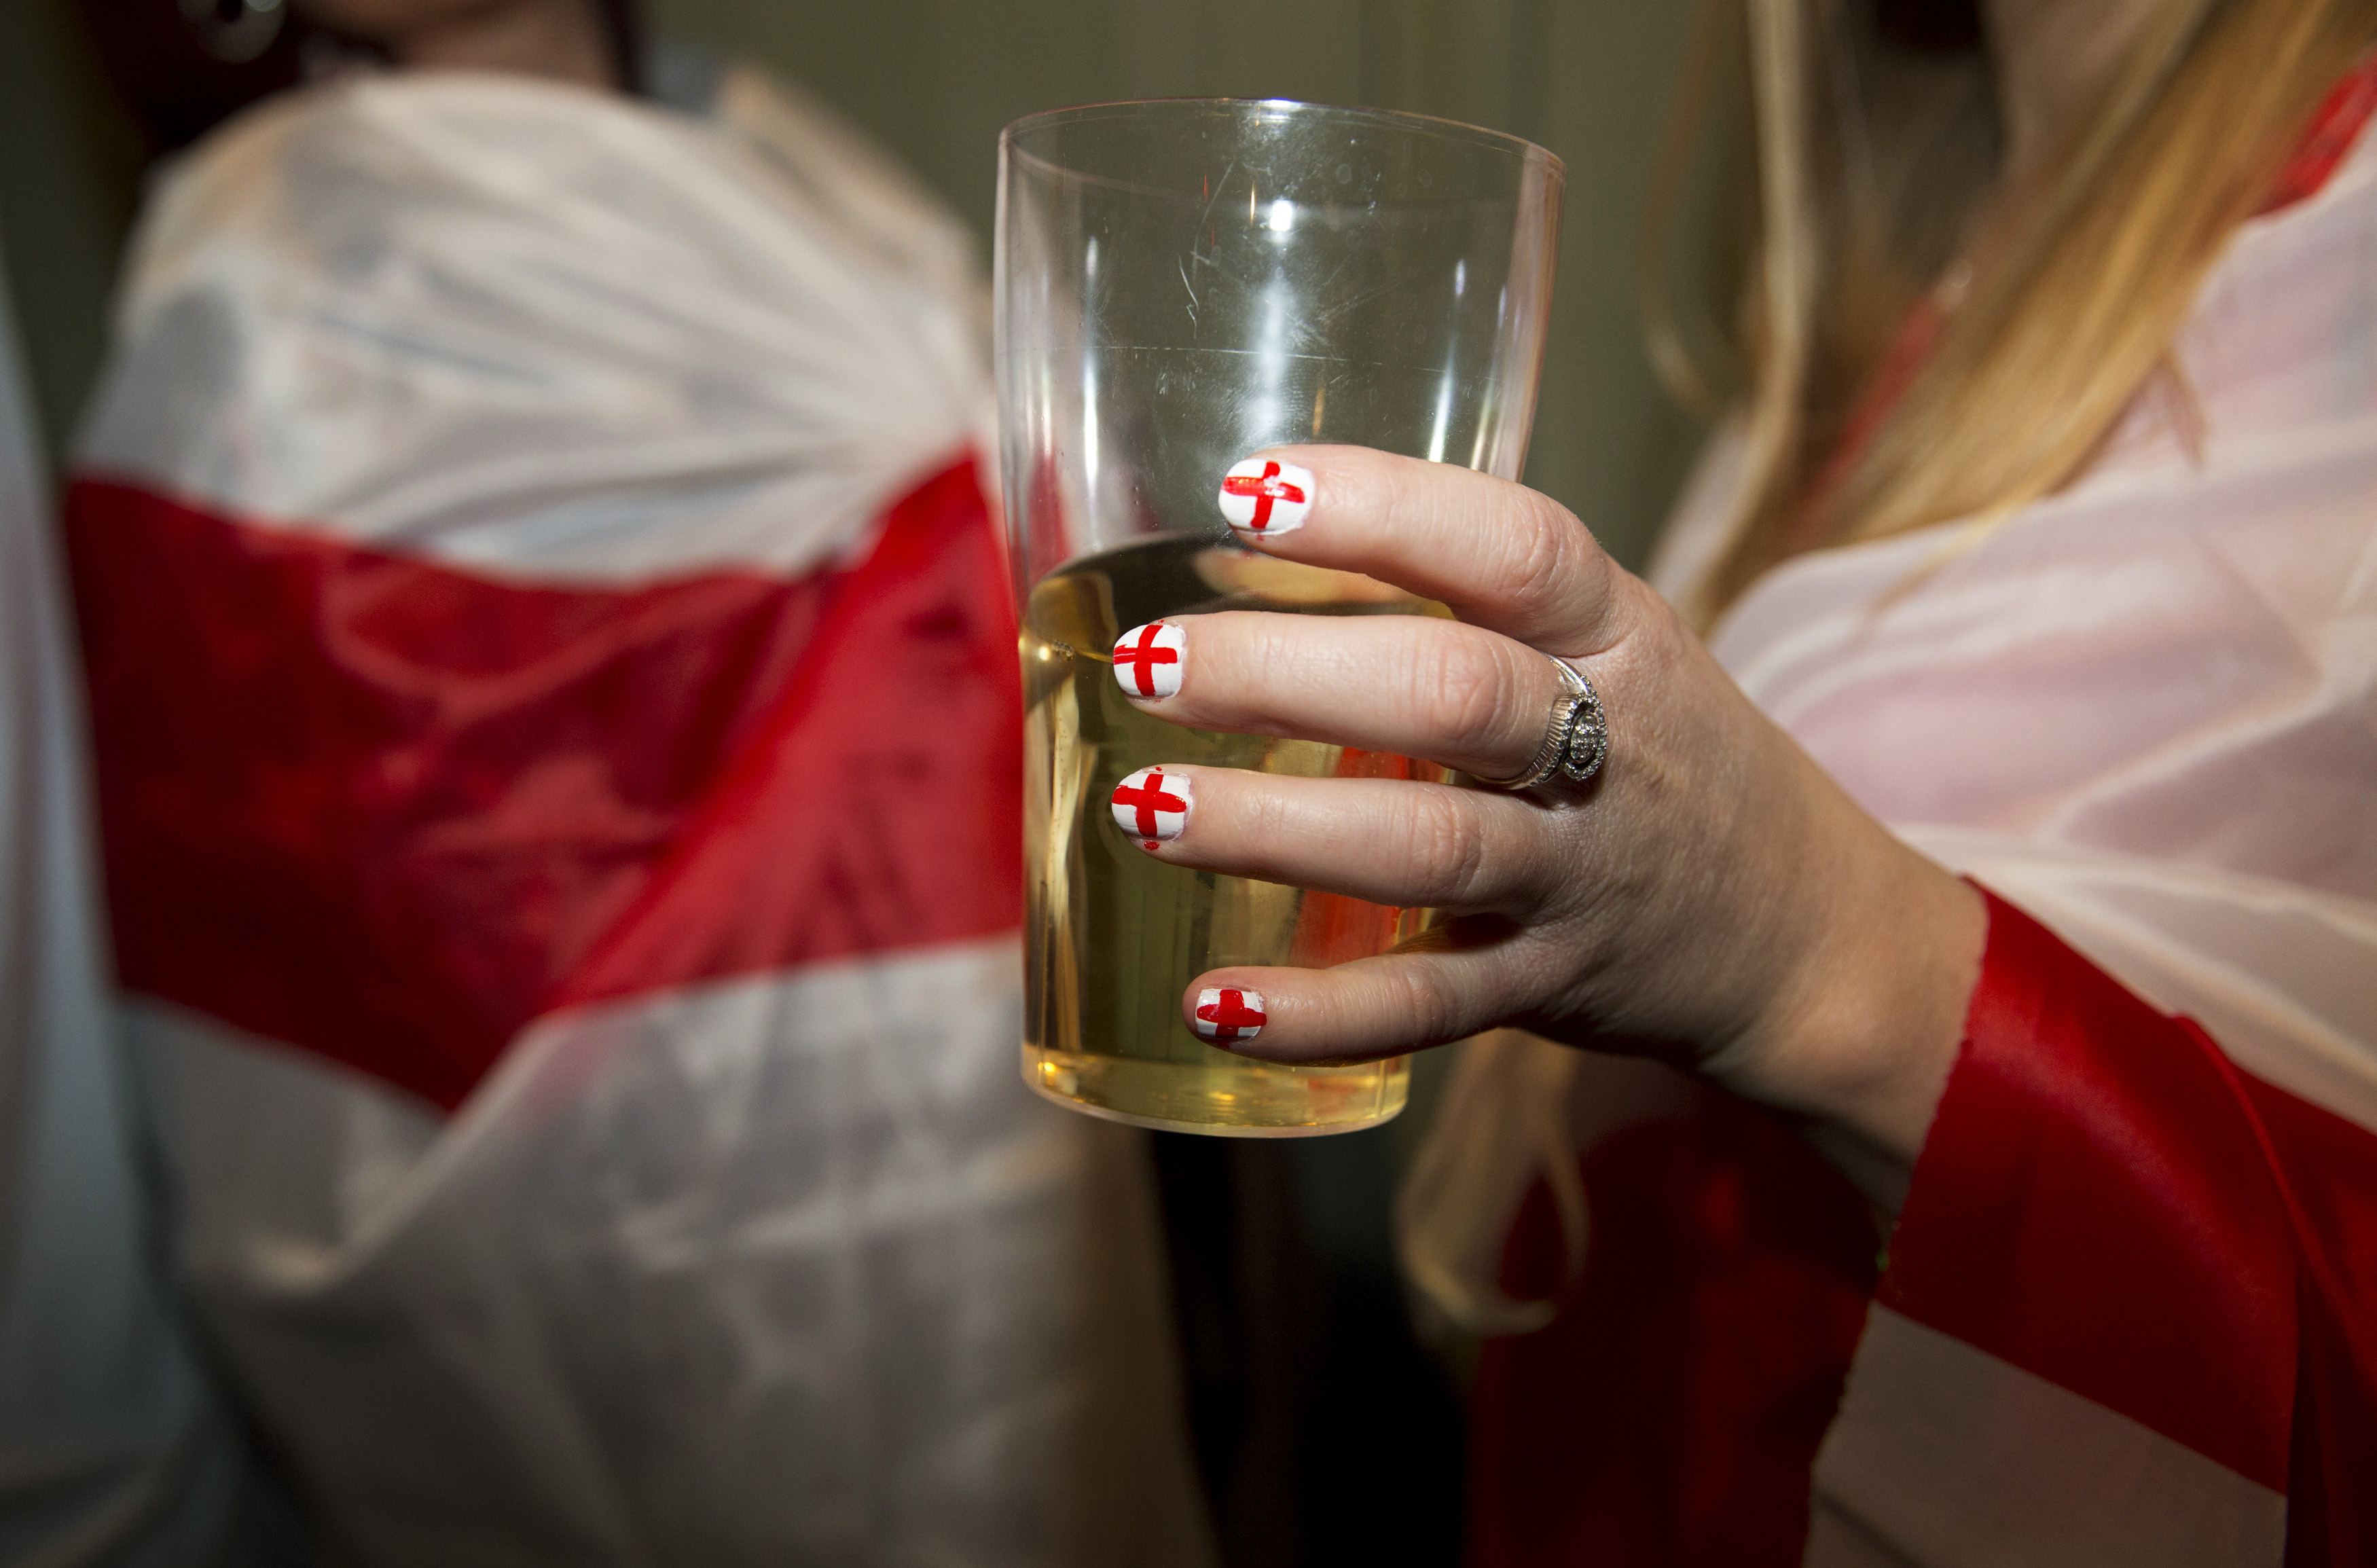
[(1018, 131)]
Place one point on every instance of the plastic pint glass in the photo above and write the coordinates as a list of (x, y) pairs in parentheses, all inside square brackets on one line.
[(1180, 284)]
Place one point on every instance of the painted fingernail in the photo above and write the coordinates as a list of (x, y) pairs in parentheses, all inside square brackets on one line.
[(1229, 1014), (1151, 806), (1264, 497), (1147, 659)]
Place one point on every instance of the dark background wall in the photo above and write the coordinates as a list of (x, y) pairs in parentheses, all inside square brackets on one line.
[(935, 79), (68, 163)]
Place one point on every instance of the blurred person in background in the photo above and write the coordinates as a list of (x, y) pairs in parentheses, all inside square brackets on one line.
[(2045, 534), (554, 713), (113, 1447)]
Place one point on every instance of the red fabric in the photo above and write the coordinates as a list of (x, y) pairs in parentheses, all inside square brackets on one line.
[(2334, 128), (2091, 1156), (2326, 1169), (391, 812), (2106, 1201), (1670, 1416)]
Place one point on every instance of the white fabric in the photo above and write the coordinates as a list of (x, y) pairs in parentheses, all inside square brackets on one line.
[(1945, 1457), (489, 321), (781, 1270), (112, 1450), (2143, 711), (786, 1270)]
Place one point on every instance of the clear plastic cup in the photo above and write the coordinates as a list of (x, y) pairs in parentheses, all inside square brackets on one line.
[(1180, 284)]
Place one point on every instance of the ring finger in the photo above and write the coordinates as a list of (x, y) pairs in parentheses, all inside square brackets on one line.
[(1414, 846)]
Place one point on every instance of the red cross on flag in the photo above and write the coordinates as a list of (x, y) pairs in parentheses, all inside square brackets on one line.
[(1147, 659), (1151, 806), (577, 811), (1263, 496), (1229, 1014)]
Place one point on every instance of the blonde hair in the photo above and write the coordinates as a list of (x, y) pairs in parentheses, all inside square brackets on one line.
[(2077, 283), (2077, 286)]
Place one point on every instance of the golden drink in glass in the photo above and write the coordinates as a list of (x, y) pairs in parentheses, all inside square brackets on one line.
[(1180, 284), (1112, 934)]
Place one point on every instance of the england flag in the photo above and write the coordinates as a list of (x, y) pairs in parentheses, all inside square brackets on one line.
[(537, 594)]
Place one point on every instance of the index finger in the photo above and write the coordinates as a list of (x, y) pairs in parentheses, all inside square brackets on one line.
[(1500, 555)]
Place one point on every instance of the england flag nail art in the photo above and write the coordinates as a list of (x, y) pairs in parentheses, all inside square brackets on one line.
[(1151, 806), (1264, 497), (1229, 1014), (1147, 659)]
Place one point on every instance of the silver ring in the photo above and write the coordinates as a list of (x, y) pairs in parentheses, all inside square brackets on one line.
[(1576, 737)]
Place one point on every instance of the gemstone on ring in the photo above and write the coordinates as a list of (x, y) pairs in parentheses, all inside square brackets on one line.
[(1576, 737), (1587, 743)]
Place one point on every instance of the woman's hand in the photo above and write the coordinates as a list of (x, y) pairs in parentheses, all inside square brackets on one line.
[(1711, 896)]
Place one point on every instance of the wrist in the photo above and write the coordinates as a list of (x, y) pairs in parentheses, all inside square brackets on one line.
[(1863, 1024)]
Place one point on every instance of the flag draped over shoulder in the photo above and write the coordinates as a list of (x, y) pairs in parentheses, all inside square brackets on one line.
[(554, 708), (2128, 1315), (2128, 1312)]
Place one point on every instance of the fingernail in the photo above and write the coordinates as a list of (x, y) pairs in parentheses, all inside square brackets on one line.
[(1223, 1016), (1147, 659), (1263, 496), (1151, 806)]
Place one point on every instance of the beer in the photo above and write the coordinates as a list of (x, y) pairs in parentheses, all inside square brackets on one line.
[(1114, 935)]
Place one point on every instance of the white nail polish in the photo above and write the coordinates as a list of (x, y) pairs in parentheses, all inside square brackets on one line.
[(1151, 806), (1229, 1014), (1263, 497), (1147, 659)]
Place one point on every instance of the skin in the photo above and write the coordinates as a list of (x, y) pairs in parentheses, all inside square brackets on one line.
[(2054, 62), (559, 40), (1713, 899)]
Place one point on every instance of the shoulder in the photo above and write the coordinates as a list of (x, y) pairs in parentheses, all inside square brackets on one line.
[(2276, 354)]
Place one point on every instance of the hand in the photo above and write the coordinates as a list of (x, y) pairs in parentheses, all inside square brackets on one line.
[(1711, 897)]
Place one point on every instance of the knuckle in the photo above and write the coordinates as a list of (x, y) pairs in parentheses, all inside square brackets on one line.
[(1424, 1001), (1466, 683), (1550, 557), (1653, 643), (1669, 639), (1450, 851)]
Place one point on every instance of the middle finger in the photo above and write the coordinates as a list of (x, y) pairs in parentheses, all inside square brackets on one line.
[(1455, 694)]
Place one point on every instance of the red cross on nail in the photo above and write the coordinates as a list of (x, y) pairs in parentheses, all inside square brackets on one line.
[(1141, 657), (1230, 1016), (1265, 487), (1147, 798)]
